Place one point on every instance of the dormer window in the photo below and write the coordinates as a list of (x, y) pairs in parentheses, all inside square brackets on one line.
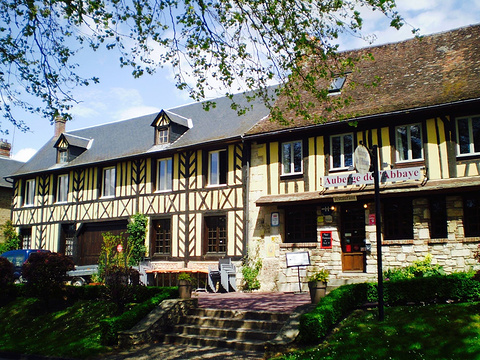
[(169, 127), (70, 146)]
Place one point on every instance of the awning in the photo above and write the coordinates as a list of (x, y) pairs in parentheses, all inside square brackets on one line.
[(329, 195)]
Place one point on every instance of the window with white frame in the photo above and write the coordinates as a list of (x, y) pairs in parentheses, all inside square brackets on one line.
[(292, 158), (62, 188), (108, 186), (29, 192), (62, 156), (341, 150), (217, 167), (468, 135), (164, 174), (409, 142), (162, 135)]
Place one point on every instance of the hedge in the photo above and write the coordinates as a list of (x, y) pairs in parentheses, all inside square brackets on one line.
[(315, 325), (109, 328)]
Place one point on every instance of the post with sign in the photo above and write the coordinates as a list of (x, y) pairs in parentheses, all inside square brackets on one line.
[(376, 176)]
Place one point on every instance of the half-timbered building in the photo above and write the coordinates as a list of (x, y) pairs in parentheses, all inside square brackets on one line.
[(183, 167), (418, 101)]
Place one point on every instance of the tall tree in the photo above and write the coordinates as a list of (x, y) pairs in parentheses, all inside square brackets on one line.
[(239, 44)]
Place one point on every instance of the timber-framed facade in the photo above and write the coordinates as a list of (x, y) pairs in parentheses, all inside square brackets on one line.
[(183, 168)]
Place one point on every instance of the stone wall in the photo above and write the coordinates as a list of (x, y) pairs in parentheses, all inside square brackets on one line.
[(454, 253)]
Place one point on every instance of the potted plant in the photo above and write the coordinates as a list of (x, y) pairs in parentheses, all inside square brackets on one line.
[(317, 284), (185, 285)]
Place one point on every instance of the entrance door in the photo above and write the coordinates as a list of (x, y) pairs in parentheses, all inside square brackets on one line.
[(353, 236)]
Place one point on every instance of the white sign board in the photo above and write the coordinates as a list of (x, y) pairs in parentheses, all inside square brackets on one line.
[(362, 159), (414, 173), (300, 258)]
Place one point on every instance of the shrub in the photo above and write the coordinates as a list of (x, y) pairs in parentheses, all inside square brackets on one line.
[(136, 248), (120, 285), (330, 310), (45, 274), (420, 268), (6, 272), (110, 327), (316, 324), (12, 239)]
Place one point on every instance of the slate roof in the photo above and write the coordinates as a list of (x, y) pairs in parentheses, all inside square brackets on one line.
[(8, 166), (135, 137), (418, 73)]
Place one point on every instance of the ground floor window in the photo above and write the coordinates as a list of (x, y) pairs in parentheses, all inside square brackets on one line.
[(471, 214), (26, 236), (215, 235), (67, 239), (162, 237), (397, 218), (301, 224), (438, 217)]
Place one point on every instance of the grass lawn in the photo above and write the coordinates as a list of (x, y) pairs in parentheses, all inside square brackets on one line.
[(433, 332), (72, 333)]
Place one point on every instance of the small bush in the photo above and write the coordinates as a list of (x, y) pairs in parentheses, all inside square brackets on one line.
[(120, 285), (420, 268), (6, 272), (46, 273)]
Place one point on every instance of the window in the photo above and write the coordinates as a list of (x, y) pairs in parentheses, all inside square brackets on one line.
[(108, 186), (341, 149), (26, 236), (438, 218), (468, 135), (409, 142), (62, 188), (292, 158), (62, 156), (301, 224), (162, 237), (29, 192), (398, 219), (217, 167), (215, 235), (165, 175), (336, 85), (471, 215), (162, 135)]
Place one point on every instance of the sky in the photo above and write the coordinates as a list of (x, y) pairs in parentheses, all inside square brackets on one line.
[(119, 96)]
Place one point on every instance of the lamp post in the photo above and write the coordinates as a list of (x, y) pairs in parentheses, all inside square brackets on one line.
[(376, 179)]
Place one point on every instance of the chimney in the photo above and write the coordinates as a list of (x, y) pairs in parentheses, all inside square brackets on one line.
[(5, 148), (59, 126)]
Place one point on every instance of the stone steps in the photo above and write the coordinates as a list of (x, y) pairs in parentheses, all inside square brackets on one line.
[(234, 329)]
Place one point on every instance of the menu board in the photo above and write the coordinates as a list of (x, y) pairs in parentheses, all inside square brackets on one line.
[(326, 239), (299, 258)]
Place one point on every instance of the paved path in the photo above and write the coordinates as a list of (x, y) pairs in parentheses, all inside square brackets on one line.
[(278, 302)]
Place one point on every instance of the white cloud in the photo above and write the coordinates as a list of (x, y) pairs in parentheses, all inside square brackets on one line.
[(136, 111), (24, 154)]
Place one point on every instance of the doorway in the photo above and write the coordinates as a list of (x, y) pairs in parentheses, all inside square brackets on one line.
[(353, 237)]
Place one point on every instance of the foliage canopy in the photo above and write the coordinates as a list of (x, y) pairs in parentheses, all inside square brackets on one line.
[(229, 45)]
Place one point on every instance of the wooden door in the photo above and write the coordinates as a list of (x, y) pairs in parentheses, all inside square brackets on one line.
[(352, 237), (90, 240)]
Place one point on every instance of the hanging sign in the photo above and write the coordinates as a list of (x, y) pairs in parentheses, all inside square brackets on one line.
[(392, 175), (361, 158), (119, 248)]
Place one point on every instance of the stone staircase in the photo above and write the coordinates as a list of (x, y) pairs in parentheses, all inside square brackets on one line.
[(234, 329)]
